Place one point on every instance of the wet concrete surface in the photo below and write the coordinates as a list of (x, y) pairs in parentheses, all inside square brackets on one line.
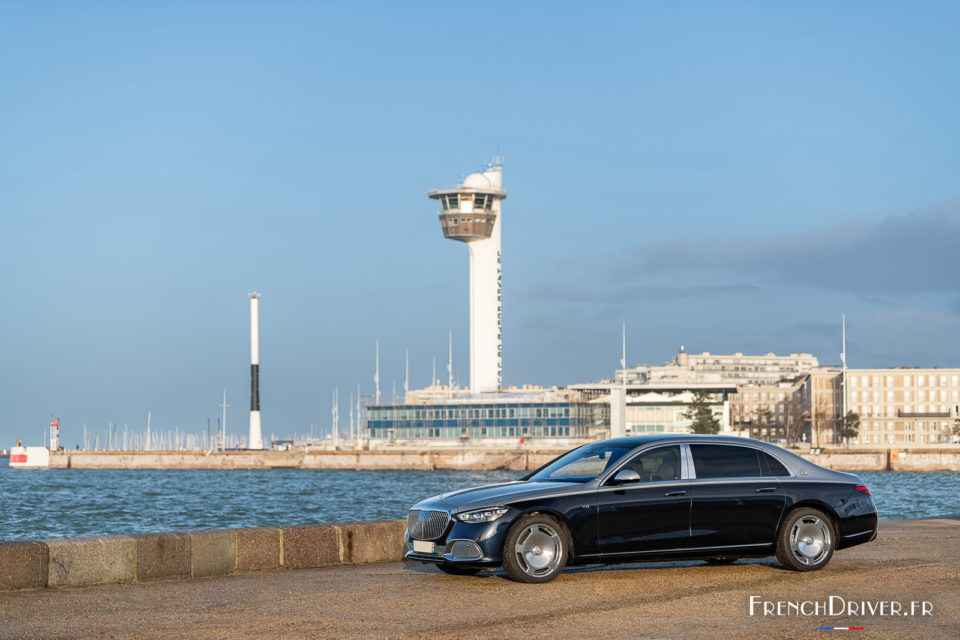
[(914, 561)]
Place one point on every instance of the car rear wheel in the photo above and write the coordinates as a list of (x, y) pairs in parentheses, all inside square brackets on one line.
[(806, 540), (535, 549)]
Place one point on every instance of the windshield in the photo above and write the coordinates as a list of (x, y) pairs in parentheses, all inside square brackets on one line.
[(581, 465)]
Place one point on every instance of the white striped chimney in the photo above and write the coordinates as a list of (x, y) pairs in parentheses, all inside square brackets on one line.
[(256, 437)]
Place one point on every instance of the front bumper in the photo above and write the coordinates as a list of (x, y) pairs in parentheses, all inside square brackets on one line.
[(488, 536)]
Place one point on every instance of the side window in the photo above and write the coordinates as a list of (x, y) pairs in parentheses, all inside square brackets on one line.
[(724, 461), (772, 466), (662, 463)]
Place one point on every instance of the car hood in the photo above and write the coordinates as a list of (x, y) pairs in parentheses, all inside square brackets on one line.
[(495, 495)]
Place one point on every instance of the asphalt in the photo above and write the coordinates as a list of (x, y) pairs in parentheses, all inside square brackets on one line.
[(910, 561)]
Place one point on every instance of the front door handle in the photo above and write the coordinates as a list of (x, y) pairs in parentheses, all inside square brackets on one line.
[(766, 490), (674, 494)]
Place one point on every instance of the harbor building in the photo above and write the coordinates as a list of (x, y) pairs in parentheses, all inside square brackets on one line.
[(773, 411), (737, 368), (490, 419), (660, 406), (904, 407), (741, 390)]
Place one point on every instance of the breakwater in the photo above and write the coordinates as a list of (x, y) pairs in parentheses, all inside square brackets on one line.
[(63, 562), (914, 459)]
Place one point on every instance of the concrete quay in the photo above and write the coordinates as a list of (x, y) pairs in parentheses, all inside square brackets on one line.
[(520, 459), (914, 561), (65, 562)]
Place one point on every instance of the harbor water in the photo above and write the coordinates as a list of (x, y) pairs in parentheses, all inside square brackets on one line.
[(46, 503)]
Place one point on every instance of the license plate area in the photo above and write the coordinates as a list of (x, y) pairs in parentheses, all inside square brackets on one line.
[(422, 546)]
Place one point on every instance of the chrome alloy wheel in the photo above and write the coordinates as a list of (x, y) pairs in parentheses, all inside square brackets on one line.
[(539, 550), (810, 540)]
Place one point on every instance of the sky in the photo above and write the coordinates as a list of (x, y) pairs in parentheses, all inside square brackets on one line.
[(723, 176)]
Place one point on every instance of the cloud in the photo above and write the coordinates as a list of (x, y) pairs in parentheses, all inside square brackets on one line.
[(916, 252)]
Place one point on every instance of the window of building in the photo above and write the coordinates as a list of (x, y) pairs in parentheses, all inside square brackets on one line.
[(889, 381)]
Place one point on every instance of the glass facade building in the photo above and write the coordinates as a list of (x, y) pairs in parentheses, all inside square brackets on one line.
[(470, 420)]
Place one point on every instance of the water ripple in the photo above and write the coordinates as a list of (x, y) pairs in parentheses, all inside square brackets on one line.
[(75, 502)]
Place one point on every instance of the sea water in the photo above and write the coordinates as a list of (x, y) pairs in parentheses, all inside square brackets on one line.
[(44, 503)]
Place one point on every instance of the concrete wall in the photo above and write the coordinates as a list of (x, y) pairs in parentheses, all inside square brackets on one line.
[(520, 460), (887, 459), (912, 459), (58, 562)]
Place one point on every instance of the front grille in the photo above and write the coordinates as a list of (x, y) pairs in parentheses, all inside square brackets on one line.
[(427, 525)]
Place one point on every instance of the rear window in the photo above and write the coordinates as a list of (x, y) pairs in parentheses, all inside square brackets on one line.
[(725, 461), (772, 466)]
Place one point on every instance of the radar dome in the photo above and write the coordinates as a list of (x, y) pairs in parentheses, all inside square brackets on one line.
[(477, 181)]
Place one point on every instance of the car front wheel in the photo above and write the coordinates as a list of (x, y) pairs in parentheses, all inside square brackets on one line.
[(806, 540), (535, 549)]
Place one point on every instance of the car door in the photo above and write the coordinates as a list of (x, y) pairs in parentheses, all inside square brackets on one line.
[(649, 515), (734, 503)]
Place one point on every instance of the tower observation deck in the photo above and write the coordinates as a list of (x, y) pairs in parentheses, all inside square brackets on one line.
[(470, 212)]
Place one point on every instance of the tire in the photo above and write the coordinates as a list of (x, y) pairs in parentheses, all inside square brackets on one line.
[(721, 561), (806, 540), (454, 570), (535, 549)]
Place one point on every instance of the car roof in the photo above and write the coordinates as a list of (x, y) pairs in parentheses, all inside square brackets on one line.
[(798, 462), (636, 441)]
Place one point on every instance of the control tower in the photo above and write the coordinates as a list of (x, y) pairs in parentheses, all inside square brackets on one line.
[(470, 212)]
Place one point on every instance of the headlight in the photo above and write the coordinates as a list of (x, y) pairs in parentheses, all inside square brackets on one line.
[(481, 515)]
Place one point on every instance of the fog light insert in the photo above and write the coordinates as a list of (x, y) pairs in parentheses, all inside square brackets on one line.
[(465, 550)]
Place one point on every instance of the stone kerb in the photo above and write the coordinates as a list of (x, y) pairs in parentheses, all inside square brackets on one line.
[(58, 562)]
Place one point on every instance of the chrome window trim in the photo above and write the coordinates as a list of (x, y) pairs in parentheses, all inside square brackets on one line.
[(745, 445)]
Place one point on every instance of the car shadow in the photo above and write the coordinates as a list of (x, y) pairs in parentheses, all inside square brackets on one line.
[(426, 567)]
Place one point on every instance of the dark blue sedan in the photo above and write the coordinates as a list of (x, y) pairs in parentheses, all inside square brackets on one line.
[(648, 498)]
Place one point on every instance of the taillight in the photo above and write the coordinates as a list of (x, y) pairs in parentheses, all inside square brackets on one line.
[(862, 489)]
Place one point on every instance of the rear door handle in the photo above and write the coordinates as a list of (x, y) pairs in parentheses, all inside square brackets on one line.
[(766, 490), (674, 494)]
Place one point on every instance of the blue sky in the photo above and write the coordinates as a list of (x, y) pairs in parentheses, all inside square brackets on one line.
[(727, 176)]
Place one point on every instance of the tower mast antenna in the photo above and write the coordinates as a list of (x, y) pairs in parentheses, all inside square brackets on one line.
[(376, 375), (843, 361)]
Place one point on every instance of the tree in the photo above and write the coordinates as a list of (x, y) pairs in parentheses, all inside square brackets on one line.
[(764, 421), (701, 413), (850, 426), (822, 418)]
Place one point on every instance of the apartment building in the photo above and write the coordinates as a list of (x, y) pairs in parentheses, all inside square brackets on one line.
[(774, 411), (904, 406)]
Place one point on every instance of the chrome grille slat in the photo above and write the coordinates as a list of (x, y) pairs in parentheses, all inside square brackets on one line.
[(427, 525)]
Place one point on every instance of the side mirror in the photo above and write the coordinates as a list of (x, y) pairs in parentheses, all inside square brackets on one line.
[(626, 476)]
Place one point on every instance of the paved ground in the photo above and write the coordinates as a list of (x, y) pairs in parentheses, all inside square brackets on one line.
[(910, 561)]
